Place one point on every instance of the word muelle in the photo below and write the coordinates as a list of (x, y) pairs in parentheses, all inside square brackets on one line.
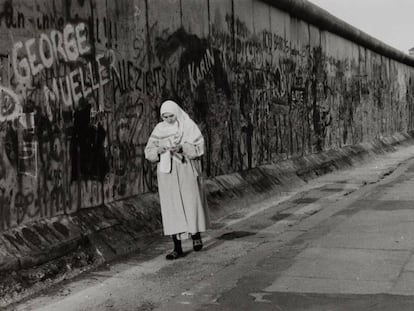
[(80, 82)]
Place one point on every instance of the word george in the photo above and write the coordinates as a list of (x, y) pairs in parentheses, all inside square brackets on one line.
[(67, 46)]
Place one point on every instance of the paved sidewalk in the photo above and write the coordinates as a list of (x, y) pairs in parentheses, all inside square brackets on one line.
[(343, 241), (370, 251), (355, 254)]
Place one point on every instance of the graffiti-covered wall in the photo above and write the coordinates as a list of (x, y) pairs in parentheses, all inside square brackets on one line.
[(82, 82)]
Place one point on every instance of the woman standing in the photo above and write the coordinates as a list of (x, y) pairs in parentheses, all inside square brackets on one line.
[(177, 144)]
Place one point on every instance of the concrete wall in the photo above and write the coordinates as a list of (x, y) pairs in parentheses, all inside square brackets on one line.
[(262, 84)]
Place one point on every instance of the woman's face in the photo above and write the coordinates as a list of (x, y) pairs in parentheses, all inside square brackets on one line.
[(169, 117)]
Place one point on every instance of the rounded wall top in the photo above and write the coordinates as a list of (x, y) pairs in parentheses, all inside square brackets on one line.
[(311, 13)]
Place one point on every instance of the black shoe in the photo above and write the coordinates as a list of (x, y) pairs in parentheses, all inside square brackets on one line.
[(197, 244), (174, 255)]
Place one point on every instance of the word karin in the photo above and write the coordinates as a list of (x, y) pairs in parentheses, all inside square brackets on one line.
[(197, 72)]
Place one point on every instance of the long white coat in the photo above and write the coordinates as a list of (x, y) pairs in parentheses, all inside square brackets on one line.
[(182, 198)]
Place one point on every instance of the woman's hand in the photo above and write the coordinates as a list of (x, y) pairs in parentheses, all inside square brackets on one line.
[(177, 149), (161, 149)]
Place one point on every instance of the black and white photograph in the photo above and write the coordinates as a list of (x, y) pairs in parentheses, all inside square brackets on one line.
[(206, 155)]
